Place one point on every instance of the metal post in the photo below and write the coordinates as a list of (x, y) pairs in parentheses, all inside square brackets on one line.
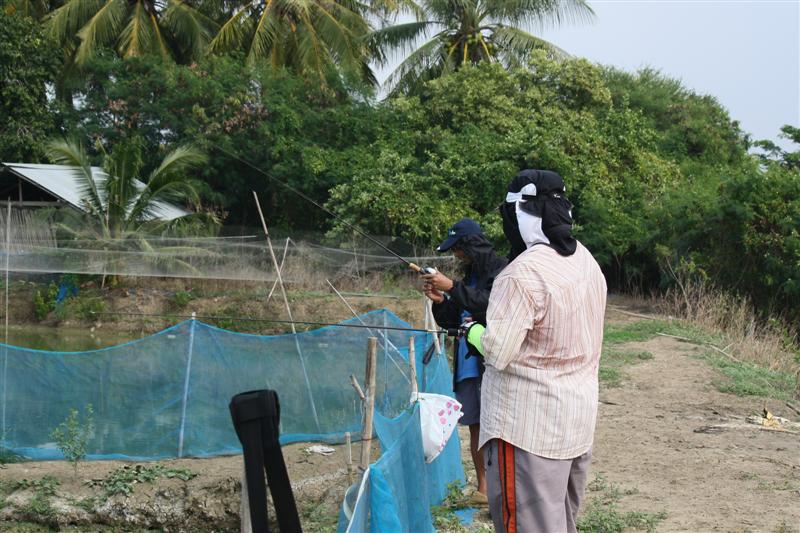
[(5, 348), (186, 384), (412, 360)]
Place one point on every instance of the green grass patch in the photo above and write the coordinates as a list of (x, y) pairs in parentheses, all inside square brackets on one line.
[(318, 518), (614, 359), (647, 329), (602, 514), (742, 379), (748, 379), (610, 377)]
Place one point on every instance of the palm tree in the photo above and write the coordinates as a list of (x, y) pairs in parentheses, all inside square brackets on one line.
[(117, 204), (305, 36), (122, 212), (169, 28), (461, 32)]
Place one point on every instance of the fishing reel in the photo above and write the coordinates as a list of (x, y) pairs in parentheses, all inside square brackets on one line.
[(422, 270)]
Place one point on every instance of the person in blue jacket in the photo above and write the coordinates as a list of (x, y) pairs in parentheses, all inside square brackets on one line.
[(465, 300)]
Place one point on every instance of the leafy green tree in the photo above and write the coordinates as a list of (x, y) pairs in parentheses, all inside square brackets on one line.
[(467, 32), (26, 66), (309, 37), (774, 154), (693, 130)]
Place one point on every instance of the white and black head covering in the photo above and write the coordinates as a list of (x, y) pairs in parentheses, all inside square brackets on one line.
[(537, 211)]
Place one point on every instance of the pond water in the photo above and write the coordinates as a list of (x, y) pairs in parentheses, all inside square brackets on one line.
[(64, 339)]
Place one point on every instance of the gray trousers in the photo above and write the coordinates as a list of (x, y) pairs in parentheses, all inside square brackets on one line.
[(532, 494)]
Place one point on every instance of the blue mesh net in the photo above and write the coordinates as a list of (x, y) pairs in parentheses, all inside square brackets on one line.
[(167, 395), (400, 486)]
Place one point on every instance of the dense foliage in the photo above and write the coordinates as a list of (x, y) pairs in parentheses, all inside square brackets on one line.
[(665, 184), (26, 65)]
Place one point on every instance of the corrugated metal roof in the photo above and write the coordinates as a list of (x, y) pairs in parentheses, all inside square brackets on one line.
[(61, 182)]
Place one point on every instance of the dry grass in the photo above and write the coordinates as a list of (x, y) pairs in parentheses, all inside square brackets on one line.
[(767, 342)]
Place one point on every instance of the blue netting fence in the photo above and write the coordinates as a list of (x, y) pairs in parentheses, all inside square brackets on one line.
[(167, 395), (400, 488)]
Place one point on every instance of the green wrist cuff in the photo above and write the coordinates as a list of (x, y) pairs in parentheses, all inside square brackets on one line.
[(474, 337)]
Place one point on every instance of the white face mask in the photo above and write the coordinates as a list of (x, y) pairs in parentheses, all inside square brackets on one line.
[(530, 228)]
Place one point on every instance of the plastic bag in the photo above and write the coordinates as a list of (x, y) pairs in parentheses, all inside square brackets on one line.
[(438, 415)]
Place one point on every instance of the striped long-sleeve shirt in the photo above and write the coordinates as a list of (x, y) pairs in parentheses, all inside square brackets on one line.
[(542, 347)]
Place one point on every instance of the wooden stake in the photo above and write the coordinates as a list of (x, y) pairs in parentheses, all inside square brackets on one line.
[(412, 360), (369, 404)]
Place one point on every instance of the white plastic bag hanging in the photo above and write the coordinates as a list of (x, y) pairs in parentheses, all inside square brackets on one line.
[(438, 415)]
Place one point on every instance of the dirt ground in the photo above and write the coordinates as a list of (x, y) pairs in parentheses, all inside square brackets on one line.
[(653, 436), (656, 441)]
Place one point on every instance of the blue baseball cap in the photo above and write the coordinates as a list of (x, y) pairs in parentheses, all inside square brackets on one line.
[(462, 228)]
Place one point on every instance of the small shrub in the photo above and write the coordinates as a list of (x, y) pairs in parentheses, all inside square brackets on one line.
[(86, 307), (602, 515), (182, 298), (72, 436), (39, 508), (45, 302)]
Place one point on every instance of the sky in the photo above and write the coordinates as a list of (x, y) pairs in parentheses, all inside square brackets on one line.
[(746, 53)]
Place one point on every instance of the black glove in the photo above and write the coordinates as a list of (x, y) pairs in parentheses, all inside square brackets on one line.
[(472, 332)]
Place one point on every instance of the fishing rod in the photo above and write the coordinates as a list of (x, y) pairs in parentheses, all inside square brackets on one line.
[(270, 321), (411, 265)]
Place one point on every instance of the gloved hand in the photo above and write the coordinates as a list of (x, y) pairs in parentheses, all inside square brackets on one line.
[(472, 332)]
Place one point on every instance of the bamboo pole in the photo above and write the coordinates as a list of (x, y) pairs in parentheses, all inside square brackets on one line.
[(369, 404), (288, 311), (275, 283)]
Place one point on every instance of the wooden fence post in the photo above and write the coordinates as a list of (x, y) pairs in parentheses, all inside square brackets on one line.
[(369, 403)]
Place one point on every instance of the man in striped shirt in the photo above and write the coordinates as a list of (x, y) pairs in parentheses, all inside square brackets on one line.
[(541, 346)]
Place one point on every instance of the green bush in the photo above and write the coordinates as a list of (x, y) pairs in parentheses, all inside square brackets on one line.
[(182, 298), (44, 302)]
